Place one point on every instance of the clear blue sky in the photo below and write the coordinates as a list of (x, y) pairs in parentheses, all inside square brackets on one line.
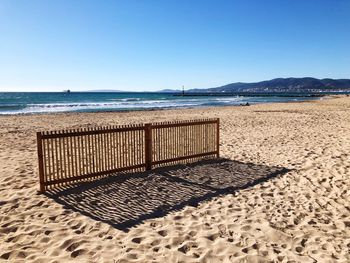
[(150, 45)]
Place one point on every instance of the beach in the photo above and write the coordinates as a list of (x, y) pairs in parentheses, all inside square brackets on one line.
[(300, 215)]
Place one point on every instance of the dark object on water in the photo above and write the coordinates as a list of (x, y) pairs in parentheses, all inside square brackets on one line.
[(67, 91)]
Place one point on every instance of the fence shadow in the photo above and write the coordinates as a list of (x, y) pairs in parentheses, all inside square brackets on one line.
[(126, 200)]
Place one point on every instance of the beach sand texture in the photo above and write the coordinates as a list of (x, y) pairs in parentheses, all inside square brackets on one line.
[(300, 215)]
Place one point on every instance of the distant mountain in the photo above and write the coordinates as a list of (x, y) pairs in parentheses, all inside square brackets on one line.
[(170, 90), (282, 85), (105, 90)]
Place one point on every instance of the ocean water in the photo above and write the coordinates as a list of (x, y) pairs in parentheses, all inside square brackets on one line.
[(50, 102)]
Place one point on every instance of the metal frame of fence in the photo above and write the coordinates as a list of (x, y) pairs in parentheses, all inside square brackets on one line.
[(81, 155)]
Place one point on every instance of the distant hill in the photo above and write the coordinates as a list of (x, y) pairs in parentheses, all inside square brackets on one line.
[(170, 90), (105, 90), (282, 85)]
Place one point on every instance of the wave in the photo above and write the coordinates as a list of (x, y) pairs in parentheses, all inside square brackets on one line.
[(6, 107), (126, 99), (115, 104), (94, 106)]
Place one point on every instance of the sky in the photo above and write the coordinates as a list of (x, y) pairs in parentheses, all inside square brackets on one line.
[(148, 45)]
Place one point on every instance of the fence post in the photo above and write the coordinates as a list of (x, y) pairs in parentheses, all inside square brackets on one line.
[(217, 138), (148, 146), (41, 163)]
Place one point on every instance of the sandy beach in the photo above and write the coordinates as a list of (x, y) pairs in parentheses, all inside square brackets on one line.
[(299, 214)]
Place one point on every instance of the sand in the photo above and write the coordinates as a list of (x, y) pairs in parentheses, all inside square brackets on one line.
[(281, 195)]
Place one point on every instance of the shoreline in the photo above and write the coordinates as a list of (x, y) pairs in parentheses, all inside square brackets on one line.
[(170, 108)]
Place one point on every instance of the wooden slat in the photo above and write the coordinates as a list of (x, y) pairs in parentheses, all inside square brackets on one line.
[(138, 150), (123, 136), (99, 150), (96, 151), (80, 154), (134, 147), (114, 150), (76, 159), (217, 138), (64, 153), (61, 157), (84, 145), (92, 168), (56, 159), (106, 152), (148, 146), (40, 161), (128, 148), (118, 150), (49, 166), (187, 138)]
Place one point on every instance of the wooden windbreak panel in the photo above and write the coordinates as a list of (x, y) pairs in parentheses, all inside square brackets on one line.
[(82, 155), (179, 141)]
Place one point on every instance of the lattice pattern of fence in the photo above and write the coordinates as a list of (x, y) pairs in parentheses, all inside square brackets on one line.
[(83, 154)]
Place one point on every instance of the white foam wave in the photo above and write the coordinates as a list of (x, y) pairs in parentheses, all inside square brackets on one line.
[(123, 104)]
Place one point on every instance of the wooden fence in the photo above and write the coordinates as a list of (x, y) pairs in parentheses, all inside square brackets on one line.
[(83, 154)]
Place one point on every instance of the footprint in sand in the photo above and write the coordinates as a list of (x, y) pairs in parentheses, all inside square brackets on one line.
[(156, 249), (155, 242), (187, 247), (192, 233), (6, 256), (299, 249), (246, 228), (163, 233), (137, 240), (77, 253)]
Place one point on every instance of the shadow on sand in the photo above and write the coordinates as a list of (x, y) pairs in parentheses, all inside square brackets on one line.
[(126, 200)]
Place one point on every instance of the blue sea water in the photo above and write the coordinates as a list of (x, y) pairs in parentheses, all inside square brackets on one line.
[(50, 102)]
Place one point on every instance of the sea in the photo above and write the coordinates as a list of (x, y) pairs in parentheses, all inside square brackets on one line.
[(53, 102)]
